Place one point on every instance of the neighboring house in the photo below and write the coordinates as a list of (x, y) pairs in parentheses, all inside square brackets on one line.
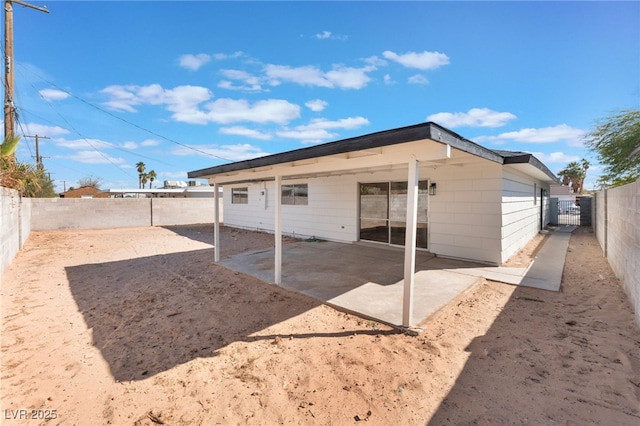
[(468, 201), (171, 189), (83, 192), (563, 193)]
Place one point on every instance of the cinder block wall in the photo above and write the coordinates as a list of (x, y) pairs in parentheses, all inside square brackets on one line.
[(619, 236), (91, 213), (15, 225), (101, 213), (183, 211)]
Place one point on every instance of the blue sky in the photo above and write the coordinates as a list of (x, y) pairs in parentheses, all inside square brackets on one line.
[(188, 85)]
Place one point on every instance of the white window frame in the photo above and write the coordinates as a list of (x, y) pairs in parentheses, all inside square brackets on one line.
[(293, 199), (240, 195)]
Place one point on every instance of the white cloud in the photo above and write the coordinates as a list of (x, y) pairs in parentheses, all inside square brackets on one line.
[(194, 62), (328, 35), (559, 133), (250, 82), (316, 105), (184, 102), (340, 76), (323, 35), (227, 111), (343, 123), (308, 75), (53, 94), (388, 79), (86, 144), (475, 117), (318, 130), (228, 152), (225, 56), (94, 157), (49, 131), (421, 60), (348, 77), (309, 135), (246, 132), (125, 98), (418, 79), (144, 143), (375, 61), (555, 157)]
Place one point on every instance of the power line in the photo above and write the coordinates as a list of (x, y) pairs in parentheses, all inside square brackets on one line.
[(127, 121)]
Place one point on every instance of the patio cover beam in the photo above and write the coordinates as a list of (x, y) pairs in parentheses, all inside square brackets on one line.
[(216, 223), (410, 241), (278, 231)]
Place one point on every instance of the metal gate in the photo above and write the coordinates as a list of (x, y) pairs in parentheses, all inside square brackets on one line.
[(567, 212)]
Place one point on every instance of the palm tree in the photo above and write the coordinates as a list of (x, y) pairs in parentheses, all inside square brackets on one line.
[(575, 173), (152, 176), (140, 166), (144, 177)]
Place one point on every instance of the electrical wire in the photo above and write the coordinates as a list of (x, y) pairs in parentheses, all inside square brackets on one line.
[(127, 121)]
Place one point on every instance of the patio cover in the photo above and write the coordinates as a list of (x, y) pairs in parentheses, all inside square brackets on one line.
[(403, 148)]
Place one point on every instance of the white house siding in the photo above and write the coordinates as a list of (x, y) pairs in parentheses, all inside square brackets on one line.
[(331, 212), (465, 214), (521, 211)]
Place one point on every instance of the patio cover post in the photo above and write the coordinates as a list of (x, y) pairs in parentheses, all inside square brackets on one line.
[(278, 231), (410, 241), (216, 222)]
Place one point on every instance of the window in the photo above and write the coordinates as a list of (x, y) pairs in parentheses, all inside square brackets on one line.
[(297, 194), (240, 195)]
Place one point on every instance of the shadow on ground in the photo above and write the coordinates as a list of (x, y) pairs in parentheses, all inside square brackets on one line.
[(202, 232), (587, 329), (150, 314)]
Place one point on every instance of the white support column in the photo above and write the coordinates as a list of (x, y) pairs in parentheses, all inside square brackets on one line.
[(216, 222), (278, 230), (410, 241)]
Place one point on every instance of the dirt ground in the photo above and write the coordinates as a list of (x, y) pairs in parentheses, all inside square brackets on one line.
[(140, 327)]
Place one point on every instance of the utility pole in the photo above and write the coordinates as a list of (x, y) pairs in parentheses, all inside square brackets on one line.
[(9, 106), (38, 156)]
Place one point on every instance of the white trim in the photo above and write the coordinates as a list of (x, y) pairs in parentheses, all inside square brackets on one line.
[(278, 232), (410, 240), (216, 223)]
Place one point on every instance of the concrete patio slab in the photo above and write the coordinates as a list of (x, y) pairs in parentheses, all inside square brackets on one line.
[(364, 279), (367, 279)]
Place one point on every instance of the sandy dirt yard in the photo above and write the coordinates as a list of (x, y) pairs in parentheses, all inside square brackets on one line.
[(140, 327)]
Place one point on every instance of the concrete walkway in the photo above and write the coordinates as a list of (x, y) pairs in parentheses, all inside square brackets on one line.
[(367, 279), (545, 272)]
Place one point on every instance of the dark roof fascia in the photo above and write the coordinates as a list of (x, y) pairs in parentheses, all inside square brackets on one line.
[(384, 138), (444, 135), (512, 157), (374, 140)]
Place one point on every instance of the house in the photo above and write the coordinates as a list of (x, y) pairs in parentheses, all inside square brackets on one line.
[(171, 189), (562, 193), (421, 186), (83, 192)]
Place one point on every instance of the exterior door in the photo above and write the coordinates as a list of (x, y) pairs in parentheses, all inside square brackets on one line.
[(383, 212)]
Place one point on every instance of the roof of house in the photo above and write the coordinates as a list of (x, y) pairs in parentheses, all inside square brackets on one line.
[(83, 191), (561, 190), (428, 130)]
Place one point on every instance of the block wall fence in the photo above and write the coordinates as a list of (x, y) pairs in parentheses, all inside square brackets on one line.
[(617, 228), (19, 216)]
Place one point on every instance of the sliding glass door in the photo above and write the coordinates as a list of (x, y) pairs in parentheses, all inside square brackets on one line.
[(374, 212), (383, 212)]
